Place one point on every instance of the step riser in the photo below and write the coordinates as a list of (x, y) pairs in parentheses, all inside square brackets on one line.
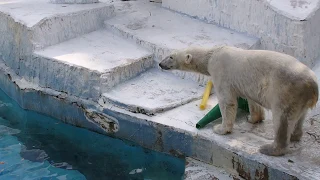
[(65, 27), (15, 44), (62, 77), (277, 32), (80, 82), (123, 73)]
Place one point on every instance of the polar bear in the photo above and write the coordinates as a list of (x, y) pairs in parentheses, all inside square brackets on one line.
[(267, 79)]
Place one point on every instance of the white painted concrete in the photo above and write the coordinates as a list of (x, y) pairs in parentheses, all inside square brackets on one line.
[(153, 92)]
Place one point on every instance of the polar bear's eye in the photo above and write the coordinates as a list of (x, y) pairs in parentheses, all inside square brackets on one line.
[(171, 57)]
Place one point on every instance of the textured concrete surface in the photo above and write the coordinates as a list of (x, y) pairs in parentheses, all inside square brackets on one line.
[(196, 170), (153, 92), (283, 25)]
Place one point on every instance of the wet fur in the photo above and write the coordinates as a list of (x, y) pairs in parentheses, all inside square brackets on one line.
[(268, 79)]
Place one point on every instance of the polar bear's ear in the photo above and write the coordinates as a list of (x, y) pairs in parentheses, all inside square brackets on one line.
[(188, 59)]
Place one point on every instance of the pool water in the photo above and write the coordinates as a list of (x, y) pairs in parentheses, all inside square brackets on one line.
[(33, 146)]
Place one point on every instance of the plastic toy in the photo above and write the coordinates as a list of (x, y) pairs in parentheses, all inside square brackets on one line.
[(206, 95), (215, 113)]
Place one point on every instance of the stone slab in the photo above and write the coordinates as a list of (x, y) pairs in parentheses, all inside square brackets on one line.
[(98, 51), (153, 92)]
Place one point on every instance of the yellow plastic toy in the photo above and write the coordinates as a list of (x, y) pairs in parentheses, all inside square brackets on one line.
[(206, 95)]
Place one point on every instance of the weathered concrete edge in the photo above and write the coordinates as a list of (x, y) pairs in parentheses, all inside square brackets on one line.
[(74, 79), (145, 110), (119, 74), (197, 170), (138, 128), (62, 27)]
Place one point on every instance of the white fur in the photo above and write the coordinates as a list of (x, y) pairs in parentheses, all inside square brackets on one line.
[(267, 79)]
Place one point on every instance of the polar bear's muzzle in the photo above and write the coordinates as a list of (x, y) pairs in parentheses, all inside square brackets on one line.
[(168, 63), (163, 66)]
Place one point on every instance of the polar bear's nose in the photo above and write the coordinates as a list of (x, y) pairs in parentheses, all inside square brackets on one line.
[(161, 66)]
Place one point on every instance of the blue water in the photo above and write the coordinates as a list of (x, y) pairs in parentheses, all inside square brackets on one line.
[(33, 146)]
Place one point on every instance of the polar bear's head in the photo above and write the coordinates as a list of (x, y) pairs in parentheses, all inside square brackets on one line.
[(176, 60)]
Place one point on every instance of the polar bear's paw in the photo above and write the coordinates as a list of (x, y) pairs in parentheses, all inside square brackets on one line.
[(271, 150), (219, 129)]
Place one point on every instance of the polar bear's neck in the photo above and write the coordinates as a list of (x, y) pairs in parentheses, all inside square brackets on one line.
[(200, 60)]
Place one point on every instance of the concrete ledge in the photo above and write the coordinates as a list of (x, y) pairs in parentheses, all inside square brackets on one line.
[(285, 26), (172, 132)]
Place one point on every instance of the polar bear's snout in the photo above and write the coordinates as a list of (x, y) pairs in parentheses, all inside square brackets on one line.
[(168, 63), (163, 66)]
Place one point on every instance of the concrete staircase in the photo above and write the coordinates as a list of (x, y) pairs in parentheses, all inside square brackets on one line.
[(103, 59)]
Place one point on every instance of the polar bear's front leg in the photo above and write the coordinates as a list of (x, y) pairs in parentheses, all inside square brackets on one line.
[(228, 108)]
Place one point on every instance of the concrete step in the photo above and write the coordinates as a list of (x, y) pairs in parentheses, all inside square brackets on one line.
[(282, 25), (87, 65), (54, 23), (162, 31), (197, 170), (27, 25), (153, 92)]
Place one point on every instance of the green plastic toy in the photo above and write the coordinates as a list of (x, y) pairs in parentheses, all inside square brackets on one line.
[(215, 113)]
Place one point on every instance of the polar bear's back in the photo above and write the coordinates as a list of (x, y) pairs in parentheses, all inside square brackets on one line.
[(256, 73)]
